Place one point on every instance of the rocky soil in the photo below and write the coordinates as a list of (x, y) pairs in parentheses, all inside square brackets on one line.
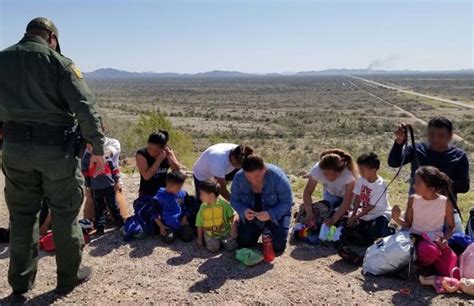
[(149, 271)]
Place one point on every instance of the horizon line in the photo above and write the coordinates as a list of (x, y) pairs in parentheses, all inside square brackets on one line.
[(283, 72)]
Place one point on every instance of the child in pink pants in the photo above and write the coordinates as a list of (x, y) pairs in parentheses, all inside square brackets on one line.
[(442, 258), (428, 212)]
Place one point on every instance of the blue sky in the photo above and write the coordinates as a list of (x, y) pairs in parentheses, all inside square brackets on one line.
[(253, 36)]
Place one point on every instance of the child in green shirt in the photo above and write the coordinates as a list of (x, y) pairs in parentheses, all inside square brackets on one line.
[(216, 220)]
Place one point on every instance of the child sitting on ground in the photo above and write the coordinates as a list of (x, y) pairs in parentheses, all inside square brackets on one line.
[(102, 187), (216, 219), (172, 212), (371, 213), (428, 212)]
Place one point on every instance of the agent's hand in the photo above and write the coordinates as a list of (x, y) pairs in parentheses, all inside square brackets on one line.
[(400, 136), (99, 162), (249, 214), (396, 212), (118, 187), (184, 221), (263, 216), (88, 192)]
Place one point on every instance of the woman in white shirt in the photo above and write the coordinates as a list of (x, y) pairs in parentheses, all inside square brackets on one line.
[(220, 162), (336, 171)]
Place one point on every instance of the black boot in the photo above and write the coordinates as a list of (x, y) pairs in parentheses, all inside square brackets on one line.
[(83, 275)]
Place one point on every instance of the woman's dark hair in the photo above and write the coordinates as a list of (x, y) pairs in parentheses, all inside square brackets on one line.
[(438, 180), (240, 152), (159, 138), (370, 160), (441, 123), (175, 177), (252, 163), (337, 160), (210, 186)]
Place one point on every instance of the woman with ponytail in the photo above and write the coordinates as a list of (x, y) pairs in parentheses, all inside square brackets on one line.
[(220, 162), (429, 214), (336, 171), (153, 162)]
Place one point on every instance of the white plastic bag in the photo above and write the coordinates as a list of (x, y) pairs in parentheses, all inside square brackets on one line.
[(389, 254)]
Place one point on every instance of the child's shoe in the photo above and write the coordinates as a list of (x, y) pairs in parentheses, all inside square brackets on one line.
[(170, 237)]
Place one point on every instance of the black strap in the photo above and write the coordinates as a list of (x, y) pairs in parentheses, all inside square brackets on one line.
[(408, 132), (409, 129)]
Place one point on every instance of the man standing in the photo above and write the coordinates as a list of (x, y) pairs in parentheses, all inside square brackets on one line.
[(437, 152), (43, 96)]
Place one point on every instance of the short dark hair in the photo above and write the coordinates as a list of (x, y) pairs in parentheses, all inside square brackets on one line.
[(159, 138), (43, 33), (370, 160), (441, 123), (210, 186), (175, 177), (252, 163)]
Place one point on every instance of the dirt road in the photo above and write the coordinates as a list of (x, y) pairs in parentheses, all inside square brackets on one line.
[(457, 103), (410, 114)]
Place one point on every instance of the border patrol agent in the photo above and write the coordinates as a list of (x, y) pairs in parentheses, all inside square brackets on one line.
[(43, 98)]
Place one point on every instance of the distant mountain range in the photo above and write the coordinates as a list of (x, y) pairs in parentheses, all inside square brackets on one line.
[(111, 73)]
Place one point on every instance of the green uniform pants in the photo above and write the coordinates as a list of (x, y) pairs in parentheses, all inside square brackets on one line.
[(32, 173)]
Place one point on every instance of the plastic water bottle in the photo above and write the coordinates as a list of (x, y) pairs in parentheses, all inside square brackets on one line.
[(268, 252)]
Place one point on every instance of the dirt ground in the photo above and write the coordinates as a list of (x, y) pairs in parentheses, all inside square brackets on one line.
[(149, 271)]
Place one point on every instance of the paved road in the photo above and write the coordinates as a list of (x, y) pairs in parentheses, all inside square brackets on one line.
[(457, 103)]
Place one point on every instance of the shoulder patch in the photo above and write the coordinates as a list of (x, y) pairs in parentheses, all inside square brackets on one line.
[(77, 72)]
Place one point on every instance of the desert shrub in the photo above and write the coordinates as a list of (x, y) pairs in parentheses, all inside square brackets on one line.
[(136, 137)]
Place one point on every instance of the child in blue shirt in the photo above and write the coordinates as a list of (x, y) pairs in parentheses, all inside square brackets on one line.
[(173, 209)]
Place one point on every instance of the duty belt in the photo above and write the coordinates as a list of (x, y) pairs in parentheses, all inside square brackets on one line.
[(37, 134)]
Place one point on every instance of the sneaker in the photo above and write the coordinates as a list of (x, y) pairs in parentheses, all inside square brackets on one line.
[(169, 238), (87, 225), (83, 275)]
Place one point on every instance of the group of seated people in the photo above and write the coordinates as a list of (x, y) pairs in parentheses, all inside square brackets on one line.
[(260, 199)]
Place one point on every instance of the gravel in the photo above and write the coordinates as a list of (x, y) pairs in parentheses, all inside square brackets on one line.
[(149, 271)]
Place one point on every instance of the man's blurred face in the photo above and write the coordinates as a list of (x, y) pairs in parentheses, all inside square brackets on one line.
[(439, 138)]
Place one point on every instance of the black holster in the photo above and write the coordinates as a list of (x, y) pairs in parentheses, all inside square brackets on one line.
[(74, 144)]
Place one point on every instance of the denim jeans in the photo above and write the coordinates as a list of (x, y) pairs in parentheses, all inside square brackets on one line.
[(250, 231)]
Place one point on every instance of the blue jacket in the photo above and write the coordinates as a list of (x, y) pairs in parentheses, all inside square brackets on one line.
[(170, 207), (277, 197)]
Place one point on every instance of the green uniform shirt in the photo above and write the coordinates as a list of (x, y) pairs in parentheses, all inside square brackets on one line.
[(215, 219), (39, 85)]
